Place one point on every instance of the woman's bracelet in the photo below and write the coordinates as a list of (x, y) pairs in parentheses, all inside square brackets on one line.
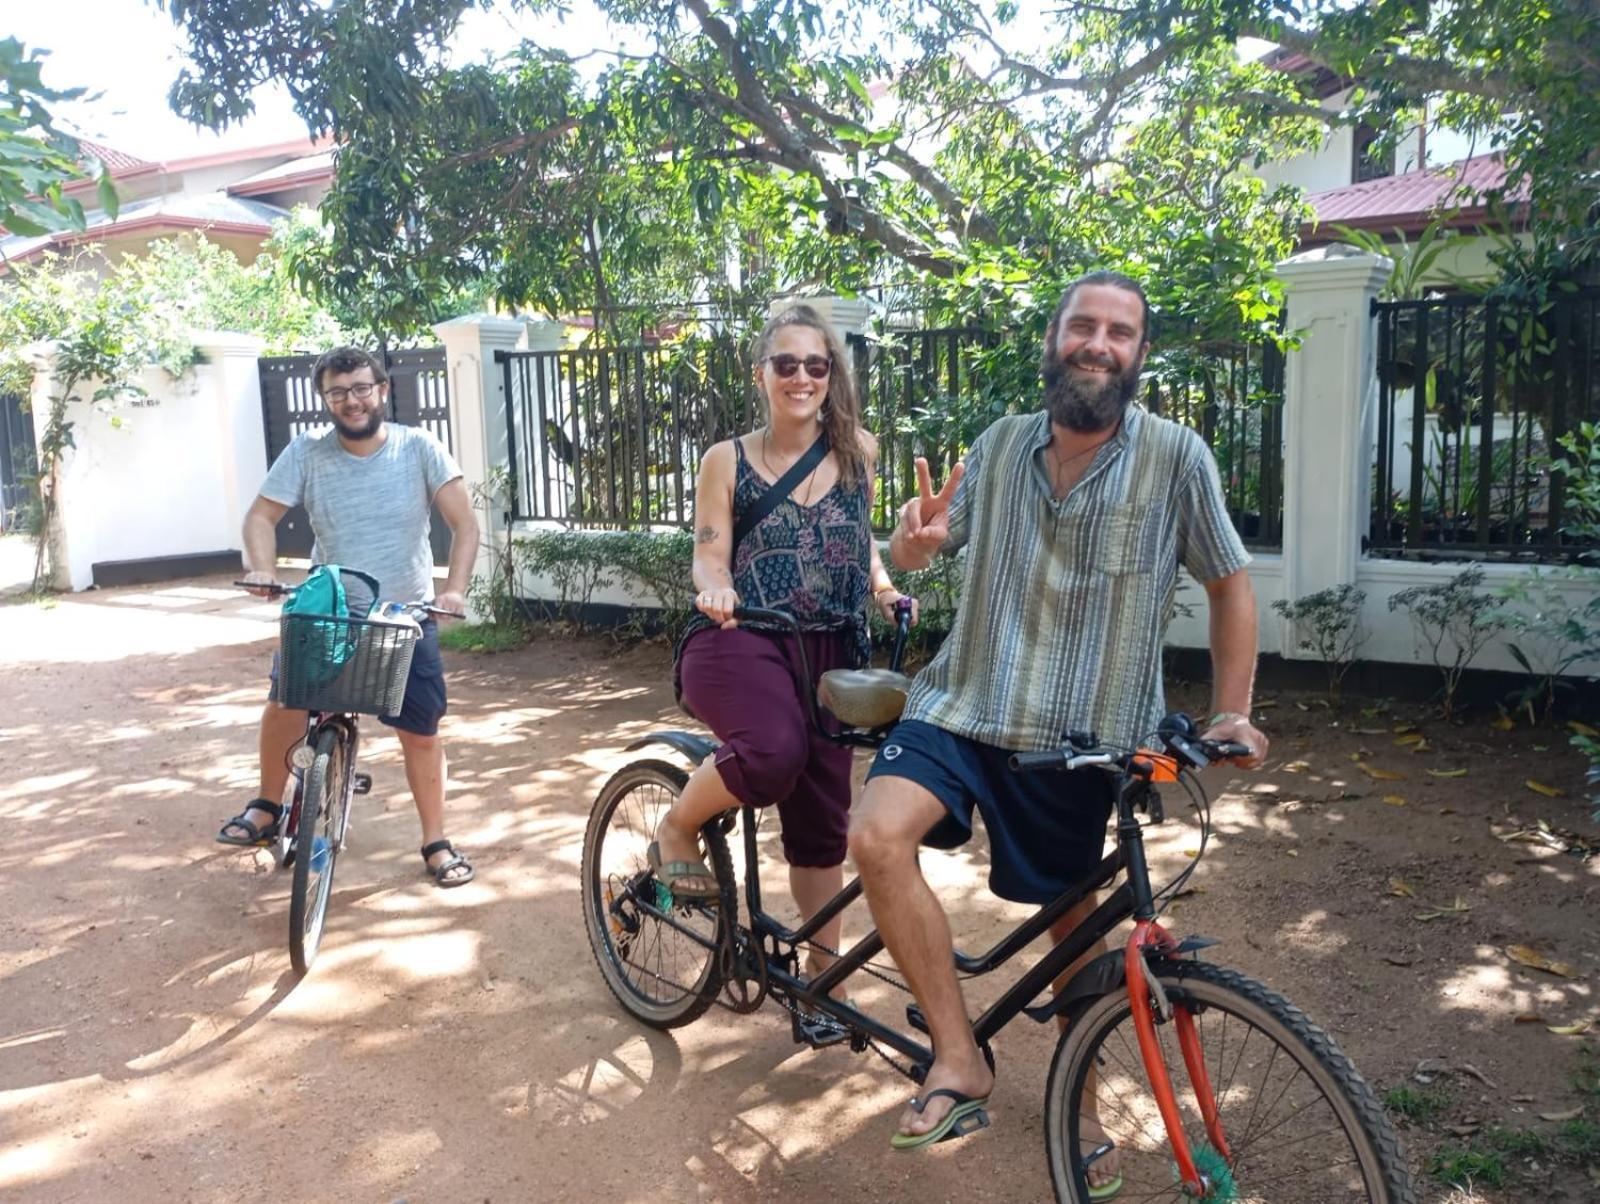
[(884, 589)]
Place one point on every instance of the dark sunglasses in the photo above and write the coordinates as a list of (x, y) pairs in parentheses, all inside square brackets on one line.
[(817, 366)]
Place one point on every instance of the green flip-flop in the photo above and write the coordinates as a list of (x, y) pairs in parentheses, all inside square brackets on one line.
[(1109, 1188), (966, 1116), (685, 879)]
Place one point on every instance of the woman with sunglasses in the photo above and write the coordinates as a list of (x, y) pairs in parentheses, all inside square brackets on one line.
[(813, 556)]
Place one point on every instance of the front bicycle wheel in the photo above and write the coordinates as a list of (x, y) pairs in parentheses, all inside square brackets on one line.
[(1299, 1124), (655, 967), (325, 797)]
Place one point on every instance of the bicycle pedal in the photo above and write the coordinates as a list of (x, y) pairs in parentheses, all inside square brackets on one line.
[(915, 1018), (363, 783), (820, 1031)]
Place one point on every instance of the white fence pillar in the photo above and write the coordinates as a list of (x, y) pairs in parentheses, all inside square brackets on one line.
[(478, 397), (241, 435), (1330, 391)]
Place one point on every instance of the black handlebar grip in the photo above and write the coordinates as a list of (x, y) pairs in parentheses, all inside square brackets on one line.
[(1027, 762), (760, 613), (1222, 750)]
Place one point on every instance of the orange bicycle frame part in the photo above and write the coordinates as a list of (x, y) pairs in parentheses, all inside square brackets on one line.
[(1149, 935)]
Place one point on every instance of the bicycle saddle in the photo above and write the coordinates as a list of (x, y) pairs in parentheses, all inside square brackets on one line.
[(864, 697)]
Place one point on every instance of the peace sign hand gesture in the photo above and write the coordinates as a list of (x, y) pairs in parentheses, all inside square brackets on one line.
[(925, 519)]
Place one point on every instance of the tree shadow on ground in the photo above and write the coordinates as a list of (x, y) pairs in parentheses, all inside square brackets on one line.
[(466, 1041)]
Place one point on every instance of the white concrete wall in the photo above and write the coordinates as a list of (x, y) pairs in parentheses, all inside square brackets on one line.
[(168, 474)]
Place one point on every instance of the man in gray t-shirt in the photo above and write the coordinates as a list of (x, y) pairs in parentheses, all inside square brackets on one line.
[(369, 488)]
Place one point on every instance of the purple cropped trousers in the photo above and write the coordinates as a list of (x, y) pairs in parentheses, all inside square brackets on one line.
[(742, 684)]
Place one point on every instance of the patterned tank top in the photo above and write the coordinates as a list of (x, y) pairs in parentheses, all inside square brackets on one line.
[(813, 561)]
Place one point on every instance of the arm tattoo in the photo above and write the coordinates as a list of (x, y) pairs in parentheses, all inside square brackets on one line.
[(706, 534)]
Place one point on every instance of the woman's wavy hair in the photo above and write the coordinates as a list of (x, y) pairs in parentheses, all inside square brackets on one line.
[(841, 410)]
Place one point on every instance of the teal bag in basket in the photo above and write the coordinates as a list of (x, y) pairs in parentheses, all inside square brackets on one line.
[(324, 648)]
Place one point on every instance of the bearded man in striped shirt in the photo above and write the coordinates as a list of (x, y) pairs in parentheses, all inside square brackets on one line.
[(1075, 520)]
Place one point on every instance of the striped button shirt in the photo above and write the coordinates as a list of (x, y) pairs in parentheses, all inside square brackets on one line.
[(1064, 603)]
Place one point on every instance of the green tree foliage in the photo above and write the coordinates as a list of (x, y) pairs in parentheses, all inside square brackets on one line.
[(36, 157), (984, 150)]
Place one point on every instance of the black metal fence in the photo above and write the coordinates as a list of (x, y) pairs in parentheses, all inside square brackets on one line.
[(1473, 397), (613, 437), (1233, 395), (19, 459)]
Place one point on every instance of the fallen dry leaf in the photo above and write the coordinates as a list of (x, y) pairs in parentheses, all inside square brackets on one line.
[(1368, 731), (1447, 810), (1403, 727), (1297, 767), (1413, 737), (1569, 1114), (1380, 775), (1535, 960), (1399, 961), (1421, 746), (1569, 1030), (1502, 723), (1399, 886), (1529, 1018), (1541, 788), (1395, 800), (1263, 703), (1293, 852), (1582, 729), (1457, 908), (1447, 773)]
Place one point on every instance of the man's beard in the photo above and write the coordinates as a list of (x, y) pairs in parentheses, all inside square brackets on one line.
[(366, 430), (1079, 405)]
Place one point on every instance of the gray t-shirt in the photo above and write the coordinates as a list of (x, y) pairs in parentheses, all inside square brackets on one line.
[(368, 512)]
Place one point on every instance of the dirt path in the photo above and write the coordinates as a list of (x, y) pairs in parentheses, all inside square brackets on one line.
[(154, 1045)]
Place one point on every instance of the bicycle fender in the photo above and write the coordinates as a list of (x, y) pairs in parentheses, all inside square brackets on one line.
[(1102, 976), (696, 747)]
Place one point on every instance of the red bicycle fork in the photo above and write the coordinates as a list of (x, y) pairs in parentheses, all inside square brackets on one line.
[(1149, 936)]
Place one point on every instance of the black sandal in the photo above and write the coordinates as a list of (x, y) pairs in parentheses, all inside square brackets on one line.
[(439, 872), (253, 836)]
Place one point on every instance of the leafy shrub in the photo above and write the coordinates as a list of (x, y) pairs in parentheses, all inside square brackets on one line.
[(1455, 622), (1330, 622), (1554, 632)]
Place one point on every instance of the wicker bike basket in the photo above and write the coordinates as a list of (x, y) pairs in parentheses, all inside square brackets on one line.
[(340, 664)]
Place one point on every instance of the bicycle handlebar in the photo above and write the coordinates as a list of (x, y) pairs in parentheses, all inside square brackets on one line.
[(1178, 734), (276, 589), (902, 624)]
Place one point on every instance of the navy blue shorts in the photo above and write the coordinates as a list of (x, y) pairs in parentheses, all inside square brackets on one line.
[(425, 702), (1046, 830)]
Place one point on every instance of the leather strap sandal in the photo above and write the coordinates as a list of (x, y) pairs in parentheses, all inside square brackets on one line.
[(242, 833)]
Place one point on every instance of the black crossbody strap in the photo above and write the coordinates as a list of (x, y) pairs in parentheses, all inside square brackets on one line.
[(781, 489)]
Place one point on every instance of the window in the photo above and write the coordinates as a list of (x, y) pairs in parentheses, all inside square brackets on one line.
[(1374, 159)]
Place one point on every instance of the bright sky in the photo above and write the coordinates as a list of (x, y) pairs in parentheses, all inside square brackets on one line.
[(127, 53)]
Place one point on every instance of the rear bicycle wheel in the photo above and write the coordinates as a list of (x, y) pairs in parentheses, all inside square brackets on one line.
[(1301, 1125), (325, 798), (658, 972)]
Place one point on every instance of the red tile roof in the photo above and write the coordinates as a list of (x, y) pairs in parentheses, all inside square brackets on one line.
[(1410, 201), (118, 162)]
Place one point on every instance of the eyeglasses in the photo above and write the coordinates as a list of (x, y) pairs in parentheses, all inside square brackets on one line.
[(817, 366), (360, 392)]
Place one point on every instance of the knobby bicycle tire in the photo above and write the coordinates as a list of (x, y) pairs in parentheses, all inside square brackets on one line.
[(661, 976), (1301, 1123), (325, 795)]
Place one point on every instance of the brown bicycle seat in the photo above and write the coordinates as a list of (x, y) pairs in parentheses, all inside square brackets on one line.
[(864, 697)]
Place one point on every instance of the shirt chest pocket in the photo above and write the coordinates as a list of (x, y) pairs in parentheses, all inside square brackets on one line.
[(1129, 536)]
